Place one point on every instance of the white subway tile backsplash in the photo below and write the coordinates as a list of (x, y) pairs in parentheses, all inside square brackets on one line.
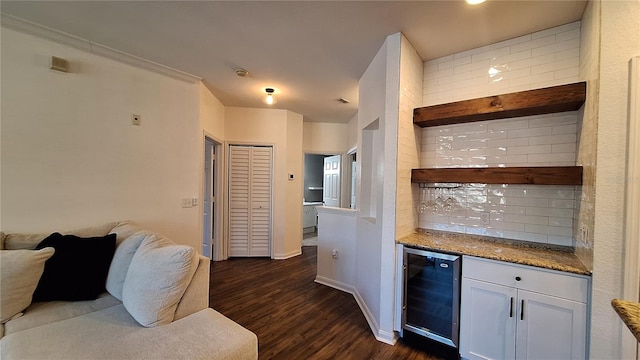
[(565, 118), (565, 129), (531, 133), (564, 222), (522, 212), (573, 53), (537, 149), (535, 139), (562, 204), (504, 143), (560, 240), (568, 73), (557, 30), (461, 60), (492, 54), (552, 159), (562, 213)]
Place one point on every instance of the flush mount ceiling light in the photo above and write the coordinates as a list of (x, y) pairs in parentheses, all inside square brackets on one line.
[(475, 2), (270, 99)]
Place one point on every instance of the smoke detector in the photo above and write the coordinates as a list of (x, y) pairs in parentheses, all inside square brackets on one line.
[(241, 72)]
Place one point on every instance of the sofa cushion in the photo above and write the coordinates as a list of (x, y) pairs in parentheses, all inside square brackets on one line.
[(42, 313), (16, 241), (158, 276), (121, 261), (20, 271), (113, 334), (78, 269)]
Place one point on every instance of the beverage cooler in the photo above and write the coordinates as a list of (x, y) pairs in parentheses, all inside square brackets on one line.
[(431, 298)]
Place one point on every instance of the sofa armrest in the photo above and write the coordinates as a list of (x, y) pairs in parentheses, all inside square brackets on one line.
[(196, 297)]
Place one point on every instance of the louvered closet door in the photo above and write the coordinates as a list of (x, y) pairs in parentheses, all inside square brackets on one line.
[(250, 200)]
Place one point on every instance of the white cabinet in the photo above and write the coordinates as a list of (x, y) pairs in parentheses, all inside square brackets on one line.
[(309, 216), (511, 311)]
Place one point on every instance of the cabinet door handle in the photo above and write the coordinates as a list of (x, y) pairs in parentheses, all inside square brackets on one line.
[(522, 310), (511, 307)]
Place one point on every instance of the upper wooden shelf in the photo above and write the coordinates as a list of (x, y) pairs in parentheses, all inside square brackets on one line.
[(524, 103), (542, 175)]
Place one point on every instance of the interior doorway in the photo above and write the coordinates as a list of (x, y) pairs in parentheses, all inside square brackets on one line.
[(331, 180), (211, 246)]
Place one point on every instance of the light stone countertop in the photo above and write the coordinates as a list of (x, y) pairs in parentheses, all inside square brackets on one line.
[(629, 312), (525, 253)]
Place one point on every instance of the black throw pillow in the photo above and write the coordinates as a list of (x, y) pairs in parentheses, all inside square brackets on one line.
[(77, 270)]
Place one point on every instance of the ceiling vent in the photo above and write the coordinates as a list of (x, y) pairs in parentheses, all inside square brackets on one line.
[(59, 64)]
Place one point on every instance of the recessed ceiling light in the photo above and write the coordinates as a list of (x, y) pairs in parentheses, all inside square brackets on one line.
[(475, 2)]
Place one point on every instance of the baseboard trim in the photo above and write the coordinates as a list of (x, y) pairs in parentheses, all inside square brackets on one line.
[(287, 255), (335, 284), (380, 335)]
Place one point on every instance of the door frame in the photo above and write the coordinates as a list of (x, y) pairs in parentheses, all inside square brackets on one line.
[(631, 273), (324, 153), (346, 202), (218, 247), (227, 209)]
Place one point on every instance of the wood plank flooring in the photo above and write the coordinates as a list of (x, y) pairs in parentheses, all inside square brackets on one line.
[(294, 317)]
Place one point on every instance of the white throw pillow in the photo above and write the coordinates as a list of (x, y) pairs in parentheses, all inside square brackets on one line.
[(123, 230), (158, 276), (121, 262), (20, 271)]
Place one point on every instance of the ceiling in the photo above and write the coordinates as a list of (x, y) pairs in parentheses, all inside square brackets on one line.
[(312, 52)]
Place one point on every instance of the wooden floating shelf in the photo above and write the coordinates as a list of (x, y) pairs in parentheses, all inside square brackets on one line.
[(543, 175), (525, 103)]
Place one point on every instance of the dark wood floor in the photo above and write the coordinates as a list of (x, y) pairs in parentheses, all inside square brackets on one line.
[(294, 317)]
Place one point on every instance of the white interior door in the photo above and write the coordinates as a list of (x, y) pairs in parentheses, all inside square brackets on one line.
[(354, 169), (250, 200), (209, 200), (331, 182)]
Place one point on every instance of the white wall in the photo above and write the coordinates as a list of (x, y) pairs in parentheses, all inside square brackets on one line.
[(542, 214), (330, 139), (619, 42), (211, 114), (377, 153), (324, 138), (409, 139), (70, 156), (212, 125), (352, 132), (294, 188), (336, 231), (279, 128)]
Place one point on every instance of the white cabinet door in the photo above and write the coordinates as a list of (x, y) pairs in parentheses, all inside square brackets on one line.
[(550, 327), (308, 216), (487, 320), (504, 315)]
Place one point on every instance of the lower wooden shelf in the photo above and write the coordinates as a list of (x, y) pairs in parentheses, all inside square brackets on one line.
[(541, 175)]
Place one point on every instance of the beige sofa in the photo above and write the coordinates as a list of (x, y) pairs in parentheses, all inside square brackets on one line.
[(110, 326)]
